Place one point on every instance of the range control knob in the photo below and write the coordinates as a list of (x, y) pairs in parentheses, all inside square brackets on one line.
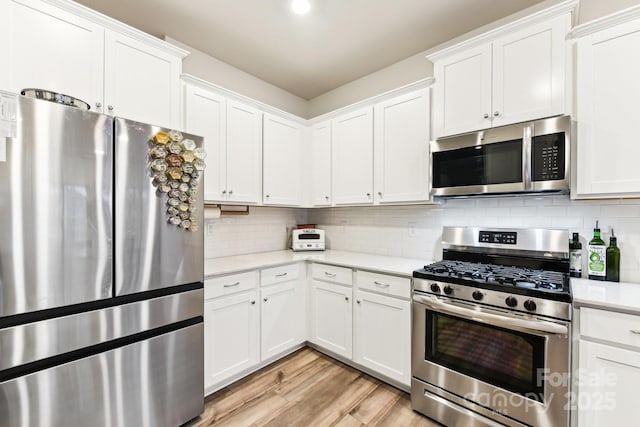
[(448, 290), (435, 288), (511, 301), (530, 305), (477, 295)]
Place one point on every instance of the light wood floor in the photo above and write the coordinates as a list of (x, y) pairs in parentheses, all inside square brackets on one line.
[(309, 389)]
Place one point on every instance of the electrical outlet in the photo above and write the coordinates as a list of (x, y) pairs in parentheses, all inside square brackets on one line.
[(210, 228), (411, 227)]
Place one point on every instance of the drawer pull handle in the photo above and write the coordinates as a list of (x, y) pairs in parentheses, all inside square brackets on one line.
[(326, 273), (232, 285), (635, 331), (281, 274), (381, 285)]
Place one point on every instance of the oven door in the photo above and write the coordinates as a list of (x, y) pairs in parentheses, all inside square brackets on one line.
[(505, 366)]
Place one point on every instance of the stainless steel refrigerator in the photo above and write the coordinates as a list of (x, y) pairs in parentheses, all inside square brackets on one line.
[(101, 288)]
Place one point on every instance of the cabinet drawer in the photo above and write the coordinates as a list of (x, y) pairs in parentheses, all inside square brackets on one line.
[(331, 273), (610, 326), (231, 284), (384, 284), (283, 273)]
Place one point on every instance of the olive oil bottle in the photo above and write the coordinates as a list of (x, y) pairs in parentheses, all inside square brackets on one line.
[(597, 261), (613, 259), (575, 256)]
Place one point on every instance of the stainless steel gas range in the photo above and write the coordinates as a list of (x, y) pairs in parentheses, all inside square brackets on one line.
[(491, 334)]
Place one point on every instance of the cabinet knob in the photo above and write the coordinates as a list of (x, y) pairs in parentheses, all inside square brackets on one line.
[(265, 299), (326, 197), (253, 303), (230, 192), (358, 301), (380, 193), (98, 104), (496, 113), (346, 299), (224, 191), (368, 194), (486, 115), (110, 107), (267, 196)]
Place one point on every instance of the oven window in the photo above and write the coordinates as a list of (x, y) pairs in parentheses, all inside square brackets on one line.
[(498, 356), (499, 163)]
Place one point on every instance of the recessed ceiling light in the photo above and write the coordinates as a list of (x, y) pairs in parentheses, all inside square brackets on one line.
[(301, 6)]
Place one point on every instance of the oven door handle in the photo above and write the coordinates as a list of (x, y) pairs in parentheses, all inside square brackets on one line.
[(492, 319)]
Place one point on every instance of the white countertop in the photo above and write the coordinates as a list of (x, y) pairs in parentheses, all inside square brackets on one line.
[(607, 295), (379, 263)]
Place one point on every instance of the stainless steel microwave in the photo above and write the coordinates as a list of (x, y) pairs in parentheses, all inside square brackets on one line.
[(520, 158)]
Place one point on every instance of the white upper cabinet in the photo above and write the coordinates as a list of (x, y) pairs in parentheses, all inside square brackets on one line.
[(67, 48), (48, 48), (514, 75), (352, 157), (244, 153), (608, 90), (282, 148), (206, 115), (462, 91), (401, 148), (320, 164), (142, 82)]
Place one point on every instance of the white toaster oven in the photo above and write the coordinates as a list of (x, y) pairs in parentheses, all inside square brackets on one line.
[(307, 239)]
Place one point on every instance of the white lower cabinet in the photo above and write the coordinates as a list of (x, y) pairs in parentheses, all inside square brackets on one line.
[(608, 368), (382, 335), (245, 325), (282, 315), (331, 324), (231, 341)]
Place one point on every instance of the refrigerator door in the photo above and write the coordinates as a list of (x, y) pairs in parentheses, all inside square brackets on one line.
[(150, 253), (55, 206)]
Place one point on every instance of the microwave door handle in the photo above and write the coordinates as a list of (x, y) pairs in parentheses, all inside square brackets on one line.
[(492, 319), (526, 157)]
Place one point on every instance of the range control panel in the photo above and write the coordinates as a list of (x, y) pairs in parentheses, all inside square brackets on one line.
[(502, 237)]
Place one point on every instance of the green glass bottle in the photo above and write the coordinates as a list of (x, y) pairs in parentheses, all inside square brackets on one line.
[(613, 259), (597, 256)]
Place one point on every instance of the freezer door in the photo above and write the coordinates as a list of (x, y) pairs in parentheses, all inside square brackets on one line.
[(150, 253), (55, 206)]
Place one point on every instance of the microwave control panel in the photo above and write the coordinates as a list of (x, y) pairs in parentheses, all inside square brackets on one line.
[(548, 157)]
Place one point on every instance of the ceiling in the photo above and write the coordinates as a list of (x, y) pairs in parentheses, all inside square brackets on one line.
[(337, 42)]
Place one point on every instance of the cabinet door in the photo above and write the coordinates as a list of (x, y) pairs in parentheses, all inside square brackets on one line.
[(462, 92), (282, 175), (608, 385), (331, 325), (382, 335), (47, 48), (529, 73), (352, 157), (320, 162), (608, 90), (401, 143), (244, 153), (282, 315), (230, 336), (142, 82), (205, 114)]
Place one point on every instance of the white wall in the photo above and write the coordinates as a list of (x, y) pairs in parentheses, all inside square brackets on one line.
[(263, 230), (415, 231), (213, 70)]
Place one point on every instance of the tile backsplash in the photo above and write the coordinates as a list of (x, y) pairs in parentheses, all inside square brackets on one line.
[(415, 231), (264, 229)]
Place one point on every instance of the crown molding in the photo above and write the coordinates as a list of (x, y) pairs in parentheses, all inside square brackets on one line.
[(117, 26), (605, 22), (490, 32)]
